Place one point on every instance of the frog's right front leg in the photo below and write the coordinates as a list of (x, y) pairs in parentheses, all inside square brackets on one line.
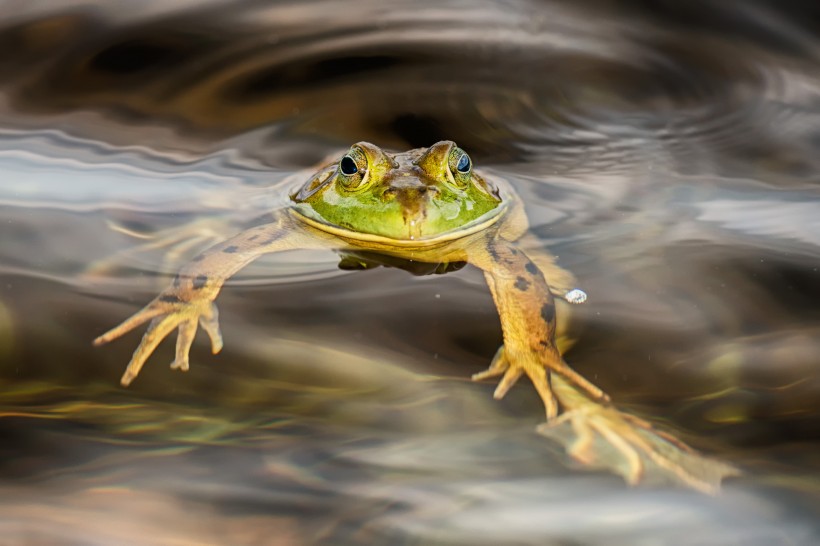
[(189, 298), (526, 308)]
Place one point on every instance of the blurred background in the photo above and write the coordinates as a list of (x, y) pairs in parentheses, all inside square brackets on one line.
[(668, 153)]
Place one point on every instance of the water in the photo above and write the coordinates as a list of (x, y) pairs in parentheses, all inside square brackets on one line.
[(668, 154)]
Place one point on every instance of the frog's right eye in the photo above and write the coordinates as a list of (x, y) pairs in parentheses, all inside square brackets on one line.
[(348, 166), (353, 169)]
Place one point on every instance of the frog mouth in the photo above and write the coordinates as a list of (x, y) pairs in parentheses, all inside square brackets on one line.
[(415, 238)]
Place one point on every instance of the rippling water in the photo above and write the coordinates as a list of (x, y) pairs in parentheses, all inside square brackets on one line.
[(668, 153)]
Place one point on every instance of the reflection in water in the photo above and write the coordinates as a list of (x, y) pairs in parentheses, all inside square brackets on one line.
[(667, 154)]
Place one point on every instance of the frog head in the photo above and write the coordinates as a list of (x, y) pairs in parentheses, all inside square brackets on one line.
[(412, 196)]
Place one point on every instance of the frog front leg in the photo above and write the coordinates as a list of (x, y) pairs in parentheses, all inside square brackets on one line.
[(189, 300), (527, 311)]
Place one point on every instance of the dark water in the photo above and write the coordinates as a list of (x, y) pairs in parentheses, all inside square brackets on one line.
[(668, 152)]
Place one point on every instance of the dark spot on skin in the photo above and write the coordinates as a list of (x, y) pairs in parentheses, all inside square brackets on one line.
[(200, 281), (271, 240), (514, 252), (548, 312), (544, 344), (522, 284), (255, 237), (177, 281), (230, 249), (169, 298), (493, 254), (532, 269), (198, 258)]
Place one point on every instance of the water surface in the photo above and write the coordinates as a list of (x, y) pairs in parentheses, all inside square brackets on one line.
[(668, 154)]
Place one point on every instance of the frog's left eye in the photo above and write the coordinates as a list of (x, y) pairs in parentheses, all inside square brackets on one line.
[(460, 167)]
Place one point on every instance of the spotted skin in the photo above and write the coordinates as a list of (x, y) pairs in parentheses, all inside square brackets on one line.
[(522, 284)]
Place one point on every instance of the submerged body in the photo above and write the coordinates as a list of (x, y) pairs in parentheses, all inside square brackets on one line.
[(426, 206)]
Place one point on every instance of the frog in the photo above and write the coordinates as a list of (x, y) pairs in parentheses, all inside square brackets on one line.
[(426, 205), (428, 211)]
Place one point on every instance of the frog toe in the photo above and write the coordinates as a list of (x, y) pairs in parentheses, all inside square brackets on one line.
[(185, 338), (634, 466), (510, 378), (137, 320), (209, 320), (582, 449), (592, 390), (498, 366), (157, 331), (540, 378)]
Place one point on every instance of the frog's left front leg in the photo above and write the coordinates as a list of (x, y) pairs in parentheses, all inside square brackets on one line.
[(527, 311)]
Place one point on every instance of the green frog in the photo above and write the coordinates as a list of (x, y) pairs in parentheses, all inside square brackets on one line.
[(426, 206)]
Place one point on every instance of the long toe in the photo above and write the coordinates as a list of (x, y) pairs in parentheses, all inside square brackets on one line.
[(210, 323)]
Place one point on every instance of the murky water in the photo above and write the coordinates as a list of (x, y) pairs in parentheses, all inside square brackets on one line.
[(668, 153)]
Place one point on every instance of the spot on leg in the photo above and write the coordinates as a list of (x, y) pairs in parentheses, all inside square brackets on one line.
[(548, 312), (522, 284), (200, 281), (233, 249), (494, 254)]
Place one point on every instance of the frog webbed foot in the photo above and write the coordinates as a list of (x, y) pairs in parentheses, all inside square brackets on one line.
[(166, 313), (604, 437), (511, 371), (537, 366), (500, 366)]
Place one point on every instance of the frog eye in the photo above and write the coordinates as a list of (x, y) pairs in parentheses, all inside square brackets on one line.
[(464, 164), (460, 167), (348, 166), (353, 169)]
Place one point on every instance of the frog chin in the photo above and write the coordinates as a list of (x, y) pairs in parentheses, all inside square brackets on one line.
[(415, 228)]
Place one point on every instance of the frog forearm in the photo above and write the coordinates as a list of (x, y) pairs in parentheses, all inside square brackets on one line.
[(204, 275)]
